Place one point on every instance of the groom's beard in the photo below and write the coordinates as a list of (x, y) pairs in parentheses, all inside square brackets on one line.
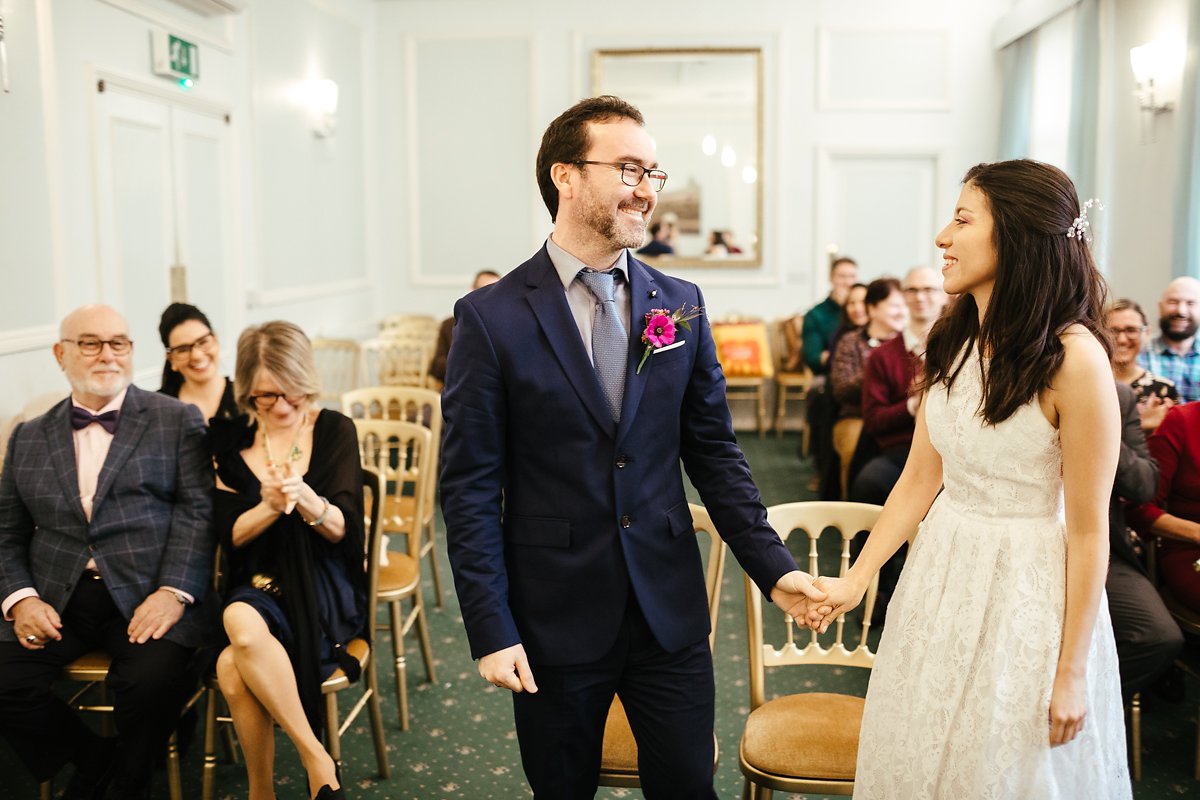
[(1177, 334)]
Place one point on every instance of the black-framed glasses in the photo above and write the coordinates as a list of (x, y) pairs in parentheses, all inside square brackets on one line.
[(91, 345), (631, 174), (913, 291), (182, 351), (1130, 331), (265, 401)]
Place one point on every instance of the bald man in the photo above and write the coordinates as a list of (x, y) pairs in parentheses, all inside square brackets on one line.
[(105, 544), (1173, 354)]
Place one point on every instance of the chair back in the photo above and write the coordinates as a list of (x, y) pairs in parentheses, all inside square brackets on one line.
[(420, 328), (400, 451), (339, 363), (813, 518), (410, 404), (787, 344), (374, 490), (714, 565), (396, 362)]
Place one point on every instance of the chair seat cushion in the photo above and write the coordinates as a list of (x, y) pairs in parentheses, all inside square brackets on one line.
[(399, 576), (361, 650), (620, 750), (805, 736)]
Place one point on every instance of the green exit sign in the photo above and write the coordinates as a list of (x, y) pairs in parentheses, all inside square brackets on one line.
[(174, 57)]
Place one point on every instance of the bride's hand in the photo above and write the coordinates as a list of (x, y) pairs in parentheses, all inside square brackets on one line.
[(1068, 708), (841, 595)]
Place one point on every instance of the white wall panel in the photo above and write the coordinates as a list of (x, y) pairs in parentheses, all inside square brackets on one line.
[(471, 156), (890, 68), (879, 208)]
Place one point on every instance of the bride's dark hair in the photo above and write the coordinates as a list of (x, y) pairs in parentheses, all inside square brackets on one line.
[(1045, 282)]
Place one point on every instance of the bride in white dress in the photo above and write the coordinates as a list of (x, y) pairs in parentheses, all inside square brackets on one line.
[(996, 676)]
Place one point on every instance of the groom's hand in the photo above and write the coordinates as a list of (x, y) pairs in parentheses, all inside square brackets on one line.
[(798, 597), (508, 669)]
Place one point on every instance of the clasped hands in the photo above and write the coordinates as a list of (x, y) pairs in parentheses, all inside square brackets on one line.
[(814, 603), (281, 489)]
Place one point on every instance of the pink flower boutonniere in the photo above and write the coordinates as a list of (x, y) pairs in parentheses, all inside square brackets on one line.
[(660, 328)]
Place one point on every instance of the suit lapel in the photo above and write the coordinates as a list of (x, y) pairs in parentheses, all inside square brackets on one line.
[(641, 286), (129, 431), (549, 304), (60, 444)]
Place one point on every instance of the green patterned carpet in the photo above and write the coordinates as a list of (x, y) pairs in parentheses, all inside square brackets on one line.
[(462, 743)]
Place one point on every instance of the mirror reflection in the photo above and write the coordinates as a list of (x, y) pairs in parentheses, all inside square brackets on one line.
[(704, 109)]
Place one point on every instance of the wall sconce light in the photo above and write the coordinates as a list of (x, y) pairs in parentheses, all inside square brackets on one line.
[(1151, 63), (322, 101)]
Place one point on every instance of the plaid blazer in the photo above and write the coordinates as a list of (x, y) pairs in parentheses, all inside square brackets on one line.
[(151, 520)]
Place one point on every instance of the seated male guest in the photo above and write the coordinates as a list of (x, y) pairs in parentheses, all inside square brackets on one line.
[(105, 543), (1148, 639)]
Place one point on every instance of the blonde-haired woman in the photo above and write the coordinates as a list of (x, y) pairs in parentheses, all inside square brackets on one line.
[(289, 513)]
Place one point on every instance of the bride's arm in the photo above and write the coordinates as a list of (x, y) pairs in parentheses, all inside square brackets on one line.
[(906, 506), (1085, 399)]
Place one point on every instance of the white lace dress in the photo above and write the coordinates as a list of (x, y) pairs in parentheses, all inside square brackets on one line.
[(958, 702)]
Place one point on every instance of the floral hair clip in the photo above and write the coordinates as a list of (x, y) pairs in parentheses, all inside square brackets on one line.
[(1081, 226)]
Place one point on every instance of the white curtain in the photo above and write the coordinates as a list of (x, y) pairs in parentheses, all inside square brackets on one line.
[(1085, 98), (1186, 247), (1016, 104)]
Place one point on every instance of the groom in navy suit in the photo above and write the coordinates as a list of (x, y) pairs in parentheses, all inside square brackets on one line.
[(568, 528), (106, 543)]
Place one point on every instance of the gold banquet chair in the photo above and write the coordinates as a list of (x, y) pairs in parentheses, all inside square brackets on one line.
[(424, 407), (790, 384), (91, 669), (359, 647), (619, 761), (400, 452), (396, 362), (340, 365), (777, 750)]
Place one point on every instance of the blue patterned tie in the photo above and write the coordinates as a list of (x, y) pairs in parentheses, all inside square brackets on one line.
[(610, 342)]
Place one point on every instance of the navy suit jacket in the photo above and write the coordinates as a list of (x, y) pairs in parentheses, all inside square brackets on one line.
[(553, 511), (151, 520)]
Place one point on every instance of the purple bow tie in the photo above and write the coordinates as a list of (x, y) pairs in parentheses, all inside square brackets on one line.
[(81, 418)]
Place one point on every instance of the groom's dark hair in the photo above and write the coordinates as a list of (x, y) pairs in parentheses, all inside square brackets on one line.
[(566, 140)]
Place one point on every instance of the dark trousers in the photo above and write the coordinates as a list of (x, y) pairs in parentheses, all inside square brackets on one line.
[(873, 484), (1148, 639), (668, 697), (148, 684)]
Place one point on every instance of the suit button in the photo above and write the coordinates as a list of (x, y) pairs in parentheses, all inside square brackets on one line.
[(92, 548), (626, 521), (622, 460)]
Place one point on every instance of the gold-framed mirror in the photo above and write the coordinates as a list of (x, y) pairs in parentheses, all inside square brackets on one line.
[(704, 109)]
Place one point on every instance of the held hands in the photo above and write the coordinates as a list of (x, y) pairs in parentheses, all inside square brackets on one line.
[(154, 617), (508, 669), (281, 489), (796, 594), (1068, 708), (34, 617), (841, 595)]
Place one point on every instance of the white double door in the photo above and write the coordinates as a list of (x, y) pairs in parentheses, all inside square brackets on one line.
[(165, 213)]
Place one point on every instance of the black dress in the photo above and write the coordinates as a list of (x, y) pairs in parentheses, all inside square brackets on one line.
[(317, 597), (226, 410)]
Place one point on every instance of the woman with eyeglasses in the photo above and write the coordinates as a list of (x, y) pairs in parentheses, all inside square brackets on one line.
[(192, 369), (1155, 394), (289, 511)]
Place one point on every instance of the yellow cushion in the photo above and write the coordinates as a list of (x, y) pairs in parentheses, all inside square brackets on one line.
[(620, 750), (805, 736)]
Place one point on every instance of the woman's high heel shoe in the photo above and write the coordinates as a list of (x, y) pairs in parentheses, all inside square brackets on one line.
[(330, 794)]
